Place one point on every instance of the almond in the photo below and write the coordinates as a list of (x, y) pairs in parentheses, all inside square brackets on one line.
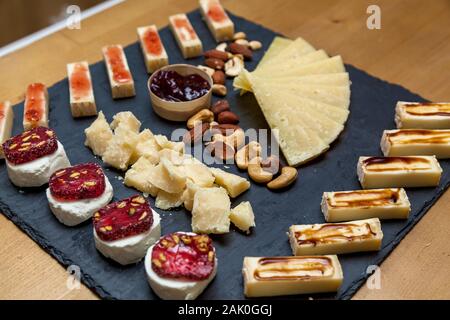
[(215, 63), (236, 48), (227, 117), (220, 106), (218, 77), (225, 129), (216, 54)]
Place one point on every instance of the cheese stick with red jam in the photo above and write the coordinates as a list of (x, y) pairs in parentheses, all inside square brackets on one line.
[(119, 74), (35, 113), (82, 102), (280, 276), (185, 35), (153, 50), (336, 238), (220, 25)]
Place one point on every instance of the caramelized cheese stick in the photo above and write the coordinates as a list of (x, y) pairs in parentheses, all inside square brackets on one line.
[(35, 112), (220, 25), (6, 123), (278, 276), (397, 172), (82, 102), (336, 238), (155, 55), (411, 142), (426, 115), (120, 78), (365, 204), (187, 39)]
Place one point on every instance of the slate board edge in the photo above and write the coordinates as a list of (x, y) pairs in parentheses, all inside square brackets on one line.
[(99, 290)]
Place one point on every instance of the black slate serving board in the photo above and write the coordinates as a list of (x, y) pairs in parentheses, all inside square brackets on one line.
[(372, 111)]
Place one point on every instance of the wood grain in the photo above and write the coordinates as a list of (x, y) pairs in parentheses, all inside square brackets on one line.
[(410, 49)]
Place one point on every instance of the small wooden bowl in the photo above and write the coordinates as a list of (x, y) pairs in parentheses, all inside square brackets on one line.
[(183, 110)]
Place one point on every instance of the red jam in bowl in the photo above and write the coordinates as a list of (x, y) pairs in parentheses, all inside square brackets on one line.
[(83, 181), (30, 145), (184, 256), (172, 86), (124, 218)]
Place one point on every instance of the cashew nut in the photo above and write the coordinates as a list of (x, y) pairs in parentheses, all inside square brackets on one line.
[(236, 139), (271, 164), (222, 46), (257, 173), (221, 150), (234, 67), (239, 35), (219, 90), (243, 42), (255, 45), (288, 175), (204, 115), (248, 152), (208, 70)]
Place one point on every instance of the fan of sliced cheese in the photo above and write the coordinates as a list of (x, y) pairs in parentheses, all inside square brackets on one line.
[(304, 95)]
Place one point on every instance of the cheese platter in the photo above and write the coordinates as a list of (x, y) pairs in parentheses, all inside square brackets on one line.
[(252, 219)]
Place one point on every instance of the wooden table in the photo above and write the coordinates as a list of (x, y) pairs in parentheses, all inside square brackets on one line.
[(412, 48)]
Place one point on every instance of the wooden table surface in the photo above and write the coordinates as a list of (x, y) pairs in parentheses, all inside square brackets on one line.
[(412, 48)]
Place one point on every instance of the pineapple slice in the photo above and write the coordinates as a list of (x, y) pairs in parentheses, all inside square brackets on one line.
[(242, 216), (211, 211), (98, 135), (127, 120), (234, 184), (167, 201), (138, 176)]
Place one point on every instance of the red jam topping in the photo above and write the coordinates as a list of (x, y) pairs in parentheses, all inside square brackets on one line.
[(30, 145), (123, 219), (183, 256), (35, 102), (83, 181), (216, 12), (80, 84), (152, 42), (116, 60), (172, 86), (185, 29)]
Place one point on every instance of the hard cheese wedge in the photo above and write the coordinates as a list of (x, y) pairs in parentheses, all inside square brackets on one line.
[(276, 47), (305, 128)]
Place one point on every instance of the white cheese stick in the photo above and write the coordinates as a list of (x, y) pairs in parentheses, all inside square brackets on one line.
[(82, 102), (278, 276), (155, 54), (185, 35), (423, 115), (120, 78), (414, 142), (6, 123), (35, 113), (397, 172), (336, 238), (365, 204), (220, 25)]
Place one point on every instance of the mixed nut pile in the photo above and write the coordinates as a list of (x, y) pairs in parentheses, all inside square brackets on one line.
[(219, 128), (227, 60)]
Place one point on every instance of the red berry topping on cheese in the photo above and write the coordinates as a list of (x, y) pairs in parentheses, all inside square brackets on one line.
[(122, 219), (83, 181), (30, 145), (184, 256)]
